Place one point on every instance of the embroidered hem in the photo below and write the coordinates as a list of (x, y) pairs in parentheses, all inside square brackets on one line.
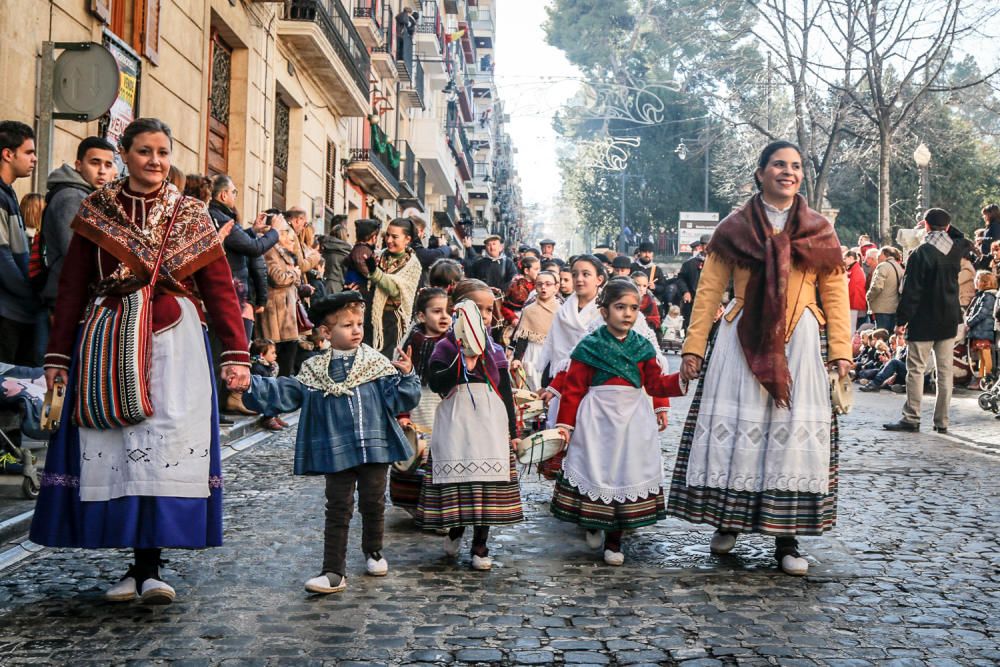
[(626, 494)]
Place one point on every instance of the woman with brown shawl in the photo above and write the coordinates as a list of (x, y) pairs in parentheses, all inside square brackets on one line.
[(759, 450)]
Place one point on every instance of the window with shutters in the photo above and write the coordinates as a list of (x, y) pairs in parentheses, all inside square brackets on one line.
[(217, 159), (331, 174), (136, 22)]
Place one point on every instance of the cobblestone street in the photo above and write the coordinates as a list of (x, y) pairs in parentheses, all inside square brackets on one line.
[(910, 576)]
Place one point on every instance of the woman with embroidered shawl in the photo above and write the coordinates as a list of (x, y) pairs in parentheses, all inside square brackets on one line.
[(533, 329), (612, 476), (156, 484), (759, 450), (471, 478), (396, 277)]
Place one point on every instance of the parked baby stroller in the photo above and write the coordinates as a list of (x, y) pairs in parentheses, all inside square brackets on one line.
[(22, 394)]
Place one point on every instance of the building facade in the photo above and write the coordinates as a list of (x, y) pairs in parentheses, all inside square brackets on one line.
[(347, 108)]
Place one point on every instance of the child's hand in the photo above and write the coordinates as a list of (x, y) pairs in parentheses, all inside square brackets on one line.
[(662, 419), (404, 422), (564, 434), (470, 362), (546, 396), (515, 443), (404, 364)]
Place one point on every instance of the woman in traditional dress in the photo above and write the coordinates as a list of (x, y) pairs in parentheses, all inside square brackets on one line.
[(396, 276), (279, 321), (759, 451), (533, 329), (156, 484)]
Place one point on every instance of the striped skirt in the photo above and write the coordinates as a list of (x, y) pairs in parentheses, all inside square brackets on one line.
[(468, 503), (568, 504), (769, 512)]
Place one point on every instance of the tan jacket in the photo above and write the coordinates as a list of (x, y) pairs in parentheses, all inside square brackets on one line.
[(883, 293), (802, 291), (966, 283), (278, 321)]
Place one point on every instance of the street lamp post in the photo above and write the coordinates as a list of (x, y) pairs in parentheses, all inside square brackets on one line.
[(682, 154), (922, 158), (621, 215)]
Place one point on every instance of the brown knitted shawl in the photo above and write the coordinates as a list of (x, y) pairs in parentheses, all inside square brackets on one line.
[(746, 239)]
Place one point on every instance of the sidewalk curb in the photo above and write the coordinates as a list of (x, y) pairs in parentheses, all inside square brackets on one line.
[(13, 531)]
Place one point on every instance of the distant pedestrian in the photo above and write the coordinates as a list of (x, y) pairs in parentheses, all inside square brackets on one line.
[(929, 313), (349, 397), (855, 289), (883, 291)]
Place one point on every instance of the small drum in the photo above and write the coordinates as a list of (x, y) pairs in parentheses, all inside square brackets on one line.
[(419, 447), (540, 446), (522, 396), (530, 410)]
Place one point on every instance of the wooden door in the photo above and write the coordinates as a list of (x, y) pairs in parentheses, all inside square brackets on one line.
[(219, 90), (280, 180)]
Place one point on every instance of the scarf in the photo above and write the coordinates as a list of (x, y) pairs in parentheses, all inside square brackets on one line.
[(134, 238), (746, 239), (403, 270), (536, 320), (613, 358), (568, 327), (369, 365)]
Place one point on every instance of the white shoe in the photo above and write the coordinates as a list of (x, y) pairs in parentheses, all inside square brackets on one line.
[(481, 562), (797, 566), (451, 546), (595, 539), (328, 582), (376, 565), (615, 558), (155, 591), (722, 543), (123, 591)]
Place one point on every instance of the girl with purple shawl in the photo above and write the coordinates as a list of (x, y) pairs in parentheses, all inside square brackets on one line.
[(471, 478)]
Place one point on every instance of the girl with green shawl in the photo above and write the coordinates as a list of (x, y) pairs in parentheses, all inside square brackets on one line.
[(612, 475)]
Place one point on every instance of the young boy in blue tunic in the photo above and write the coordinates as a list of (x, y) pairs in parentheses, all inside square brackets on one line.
[(350, 396)]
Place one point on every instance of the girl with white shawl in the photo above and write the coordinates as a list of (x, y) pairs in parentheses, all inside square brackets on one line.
[(396, 276)]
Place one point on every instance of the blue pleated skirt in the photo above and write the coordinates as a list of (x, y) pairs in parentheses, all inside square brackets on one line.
[(142, 522)]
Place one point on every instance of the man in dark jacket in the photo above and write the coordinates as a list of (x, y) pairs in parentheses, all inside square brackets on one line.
[(929, 313), (658, 278), (493, 268), (19, 306), (689, 276), (356, 266), (242, 246), (335, 250), (67, 188)]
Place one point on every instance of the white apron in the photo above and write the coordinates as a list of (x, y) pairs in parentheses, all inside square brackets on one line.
[(532, 367), (614, 452), (742, 441), (168, 453), (423, 414), (471, 440)]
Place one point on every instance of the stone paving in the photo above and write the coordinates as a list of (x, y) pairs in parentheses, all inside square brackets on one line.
[(911, 576)]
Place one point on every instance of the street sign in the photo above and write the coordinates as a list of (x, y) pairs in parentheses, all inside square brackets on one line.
[(85, 81), (692, 225)]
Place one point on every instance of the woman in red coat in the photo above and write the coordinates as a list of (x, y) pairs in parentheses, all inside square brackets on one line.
[(856, 289)]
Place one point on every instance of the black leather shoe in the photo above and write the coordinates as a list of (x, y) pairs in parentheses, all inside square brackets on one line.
[(902, 426), (941, 429), (871, 386)]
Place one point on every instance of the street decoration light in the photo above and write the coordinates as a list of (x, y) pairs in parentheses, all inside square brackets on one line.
[(922, 158)]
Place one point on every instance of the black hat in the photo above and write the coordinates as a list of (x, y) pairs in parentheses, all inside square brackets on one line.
[(646, 246), (604, 259), (705, 238), (364, 228), (621, 262), (697, 244), (328, 305), (546, 242)]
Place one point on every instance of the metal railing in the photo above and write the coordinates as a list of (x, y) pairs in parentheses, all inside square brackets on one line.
[(481, 170), (417, 80), (364, 149), (403, 51), (368, 9), (336, 24), (421, 191), (407, 166), (430, 22)]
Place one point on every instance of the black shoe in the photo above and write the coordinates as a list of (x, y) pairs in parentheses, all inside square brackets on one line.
[(941, 429), (871, 386), (225, 421), (902, 426)]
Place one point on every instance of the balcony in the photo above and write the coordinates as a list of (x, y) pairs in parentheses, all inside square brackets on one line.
[(383, 56), (411, 93), (482, 21), (427, 139), (468, 41), (447, 217), (404, 57), (429, 38), (366, 22), (481, 185), (374, 161), (412, 178), (323, 39), (451, 6), (462, 150)]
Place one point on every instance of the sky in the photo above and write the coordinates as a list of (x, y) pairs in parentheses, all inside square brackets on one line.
[(534, 79)]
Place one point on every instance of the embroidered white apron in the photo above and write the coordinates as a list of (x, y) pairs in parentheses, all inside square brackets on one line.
[(471, 440)]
